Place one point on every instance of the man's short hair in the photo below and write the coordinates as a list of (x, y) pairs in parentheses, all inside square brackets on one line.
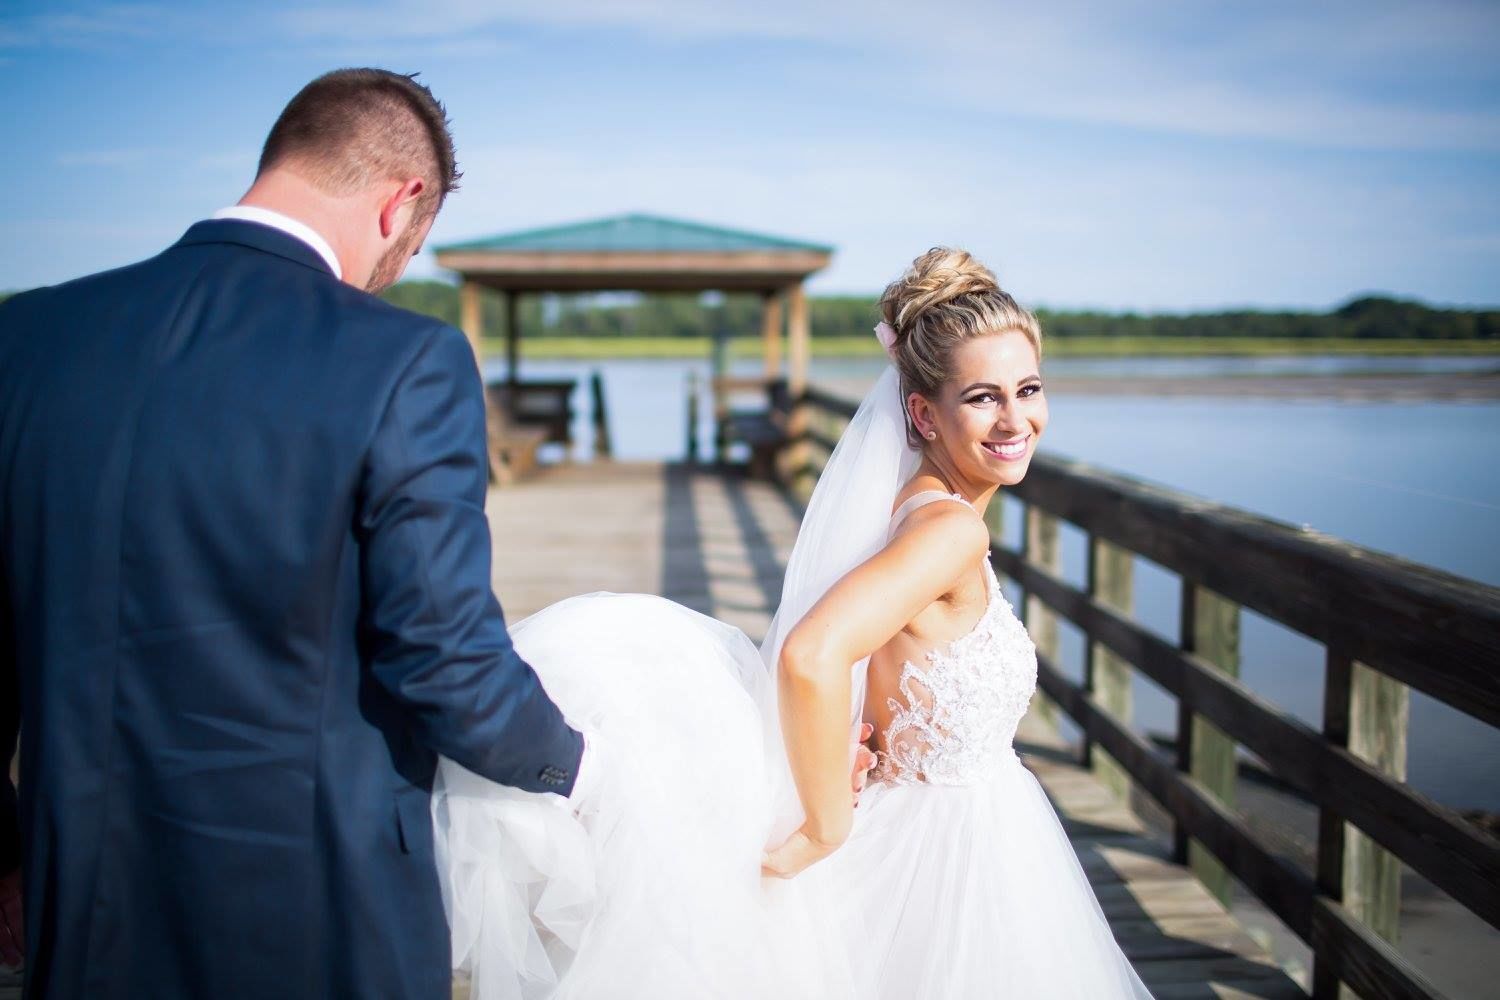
[(353, 127)]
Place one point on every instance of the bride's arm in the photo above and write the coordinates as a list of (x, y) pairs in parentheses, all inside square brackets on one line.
[(858, 615)]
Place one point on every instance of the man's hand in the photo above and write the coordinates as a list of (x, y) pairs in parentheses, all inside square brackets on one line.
[(12, 937), (584, 798), (864, 760)]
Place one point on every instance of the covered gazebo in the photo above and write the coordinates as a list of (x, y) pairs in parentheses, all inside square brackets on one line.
[(642, 253)]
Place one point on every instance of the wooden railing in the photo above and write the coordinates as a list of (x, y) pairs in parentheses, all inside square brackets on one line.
[(1387, 625)]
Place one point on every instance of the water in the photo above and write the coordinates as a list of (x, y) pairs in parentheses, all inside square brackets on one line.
[(1419, 480)]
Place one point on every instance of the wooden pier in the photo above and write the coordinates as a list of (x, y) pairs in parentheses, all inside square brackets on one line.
[(1387, 627), (718, 543)]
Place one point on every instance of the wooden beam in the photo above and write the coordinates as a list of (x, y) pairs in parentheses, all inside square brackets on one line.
[(1211, 629), (512, 336), (1039, 547), (799, 339), (1379, 713), (606, 265), (719, 372), (1337, 677), (1106, 674), (471, 319), (799, 351), (770, 332)]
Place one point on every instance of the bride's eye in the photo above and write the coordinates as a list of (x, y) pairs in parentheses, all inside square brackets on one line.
[(1031, 390), (983, 397)]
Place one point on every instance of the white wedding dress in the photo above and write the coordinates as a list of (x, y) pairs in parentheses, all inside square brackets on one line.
[(957, 880)]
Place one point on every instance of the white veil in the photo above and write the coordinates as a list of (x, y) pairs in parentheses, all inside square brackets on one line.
[(847, 521)]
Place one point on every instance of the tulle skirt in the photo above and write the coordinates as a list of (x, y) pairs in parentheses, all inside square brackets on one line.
[(968, 891), (652, 887)]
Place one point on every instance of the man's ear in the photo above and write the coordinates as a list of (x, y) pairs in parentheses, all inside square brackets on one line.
[(406, 194)]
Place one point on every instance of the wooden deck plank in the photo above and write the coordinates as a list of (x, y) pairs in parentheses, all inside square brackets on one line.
[(1178, 936)]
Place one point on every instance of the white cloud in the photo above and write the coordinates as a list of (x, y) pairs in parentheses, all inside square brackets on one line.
[(1151, 232), (1163, 66)]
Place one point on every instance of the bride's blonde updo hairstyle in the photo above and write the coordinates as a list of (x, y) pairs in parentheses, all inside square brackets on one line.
[(945, 298)]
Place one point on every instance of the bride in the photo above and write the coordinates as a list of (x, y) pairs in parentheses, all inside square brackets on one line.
[(713, 847)]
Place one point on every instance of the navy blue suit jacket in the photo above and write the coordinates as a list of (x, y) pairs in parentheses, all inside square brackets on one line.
[(244, 601)]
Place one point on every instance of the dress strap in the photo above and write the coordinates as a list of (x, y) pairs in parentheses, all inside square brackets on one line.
[(921, 500)]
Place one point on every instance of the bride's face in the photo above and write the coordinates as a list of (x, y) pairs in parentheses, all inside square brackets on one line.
[(990, 414)]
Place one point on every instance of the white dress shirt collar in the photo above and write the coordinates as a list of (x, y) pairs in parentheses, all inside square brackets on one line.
[(288, 225)]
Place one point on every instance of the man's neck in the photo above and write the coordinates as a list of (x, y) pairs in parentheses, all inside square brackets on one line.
[(292, 227), (294, 198)]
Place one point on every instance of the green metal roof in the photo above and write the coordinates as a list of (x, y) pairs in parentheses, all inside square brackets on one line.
[(637, 233)]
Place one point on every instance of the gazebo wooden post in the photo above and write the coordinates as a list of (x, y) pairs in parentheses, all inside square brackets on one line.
[(719, 380), (799, 353), (471, 319), (512, 337), (770, 332)]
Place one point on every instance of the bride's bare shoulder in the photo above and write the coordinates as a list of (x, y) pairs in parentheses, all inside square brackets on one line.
[(945, 531)]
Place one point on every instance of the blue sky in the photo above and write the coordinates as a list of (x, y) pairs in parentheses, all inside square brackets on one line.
[(1151, 156)]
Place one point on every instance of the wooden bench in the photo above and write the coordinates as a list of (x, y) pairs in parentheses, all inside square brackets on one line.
[(763, 434), (512, 448), (759, 421)]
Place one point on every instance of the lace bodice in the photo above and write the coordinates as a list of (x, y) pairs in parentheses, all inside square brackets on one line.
[(962, 706)]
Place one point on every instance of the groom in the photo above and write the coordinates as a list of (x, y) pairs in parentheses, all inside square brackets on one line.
[(245, 589)]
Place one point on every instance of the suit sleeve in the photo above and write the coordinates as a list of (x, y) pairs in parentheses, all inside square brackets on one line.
[(10, 729), (440, 641)]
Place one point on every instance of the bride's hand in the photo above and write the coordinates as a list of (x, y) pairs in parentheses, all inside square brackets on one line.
[(864, 761), (799, 851)]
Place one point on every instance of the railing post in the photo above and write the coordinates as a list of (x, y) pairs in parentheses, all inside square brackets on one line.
[(1367, 713), (1211, 629), (799, 358), (1183, 744), (1039, 548), (799, 453), (471, 319), (1379, 712), (603, 447), (692, 418), (1337, 678), (720, 395), (1105, 675)]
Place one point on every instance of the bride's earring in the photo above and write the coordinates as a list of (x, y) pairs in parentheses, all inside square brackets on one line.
[(932, 435)]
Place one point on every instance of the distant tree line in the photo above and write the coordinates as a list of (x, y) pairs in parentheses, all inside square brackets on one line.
[(1368, 317)]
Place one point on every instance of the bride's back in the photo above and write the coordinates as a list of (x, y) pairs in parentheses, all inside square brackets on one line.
[(954, 615)]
